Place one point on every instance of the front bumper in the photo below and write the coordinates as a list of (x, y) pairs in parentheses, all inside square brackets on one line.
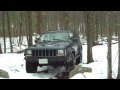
[(52, 61)]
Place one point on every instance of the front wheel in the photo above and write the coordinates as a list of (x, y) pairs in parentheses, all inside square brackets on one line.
[(31, 67), (70, 64)]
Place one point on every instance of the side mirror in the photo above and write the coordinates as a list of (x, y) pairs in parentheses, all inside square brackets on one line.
[(75, 39), (36, 41)]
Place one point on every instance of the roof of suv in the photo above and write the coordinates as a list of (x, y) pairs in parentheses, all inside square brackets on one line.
[(58, 31)]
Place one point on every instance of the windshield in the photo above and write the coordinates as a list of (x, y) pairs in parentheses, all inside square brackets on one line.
[(55, 36)]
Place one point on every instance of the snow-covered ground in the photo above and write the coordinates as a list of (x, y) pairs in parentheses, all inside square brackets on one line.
[(14, 64), (99, 66)]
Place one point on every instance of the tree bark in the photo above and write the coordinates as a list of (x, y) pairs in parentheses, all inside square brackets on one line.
[(20, 29), (3, 26), (88, 21), (38, 21), (9, 32), (118, 76), (29, 29), (66, 16), (109, 54), (0, 49)]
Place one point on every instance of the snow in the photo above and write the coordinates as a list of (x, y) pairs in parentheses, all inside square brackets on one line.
[(99, 66), (14, 63)]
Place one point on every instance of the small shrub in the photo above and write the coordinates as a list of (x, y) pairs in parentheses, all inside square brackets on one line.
[(4, 74), (79, 69)]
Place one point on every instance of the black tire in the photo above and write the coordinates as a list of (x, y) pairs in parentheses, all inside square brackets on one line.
[(31, 67), (79, 59), (65, 75), (73, 61), (69, 66), (46, 71)]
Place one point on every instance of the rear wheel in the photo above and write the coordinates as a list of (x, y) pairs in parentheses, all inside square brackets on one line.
[(31, 67), (79, 59)]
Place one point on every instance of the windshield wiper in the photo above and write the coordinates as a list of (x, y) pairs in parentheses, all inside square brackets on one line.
[(45, 41), (58, 39)]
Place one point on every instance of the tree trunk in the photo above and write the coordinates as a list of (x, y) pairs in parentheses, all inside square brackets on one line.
[(101, 25), (3, 23), (97, 26), (93, 27), (0, 49), (20, 29), (29, 29), (118, 76), (88, 18), (66, 20), (109, 54), (9, 31), (26, 26), (38, 21)]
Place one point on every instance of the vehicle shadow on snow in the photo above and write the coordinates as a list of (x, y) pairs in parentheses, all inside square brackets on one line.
[(48, 72)]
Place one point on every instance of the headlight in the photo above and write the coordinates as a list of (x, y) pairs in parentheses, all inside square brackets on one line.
[(60, 53), (28, 52)]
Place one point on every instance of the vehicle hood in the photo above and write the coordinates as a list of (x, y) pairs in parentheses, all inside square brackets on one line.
[(56, 44)]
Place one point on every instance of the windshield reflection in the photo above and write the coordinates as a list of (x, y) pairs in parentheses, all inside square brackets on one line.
[(56, 36)]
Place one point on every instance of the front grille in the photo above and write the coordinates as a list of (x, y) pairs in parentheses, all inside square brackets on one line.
[(51, 52)]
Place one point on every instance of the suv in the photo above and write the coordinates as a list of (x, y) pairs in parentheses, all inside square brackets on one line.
[(54, 48)]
